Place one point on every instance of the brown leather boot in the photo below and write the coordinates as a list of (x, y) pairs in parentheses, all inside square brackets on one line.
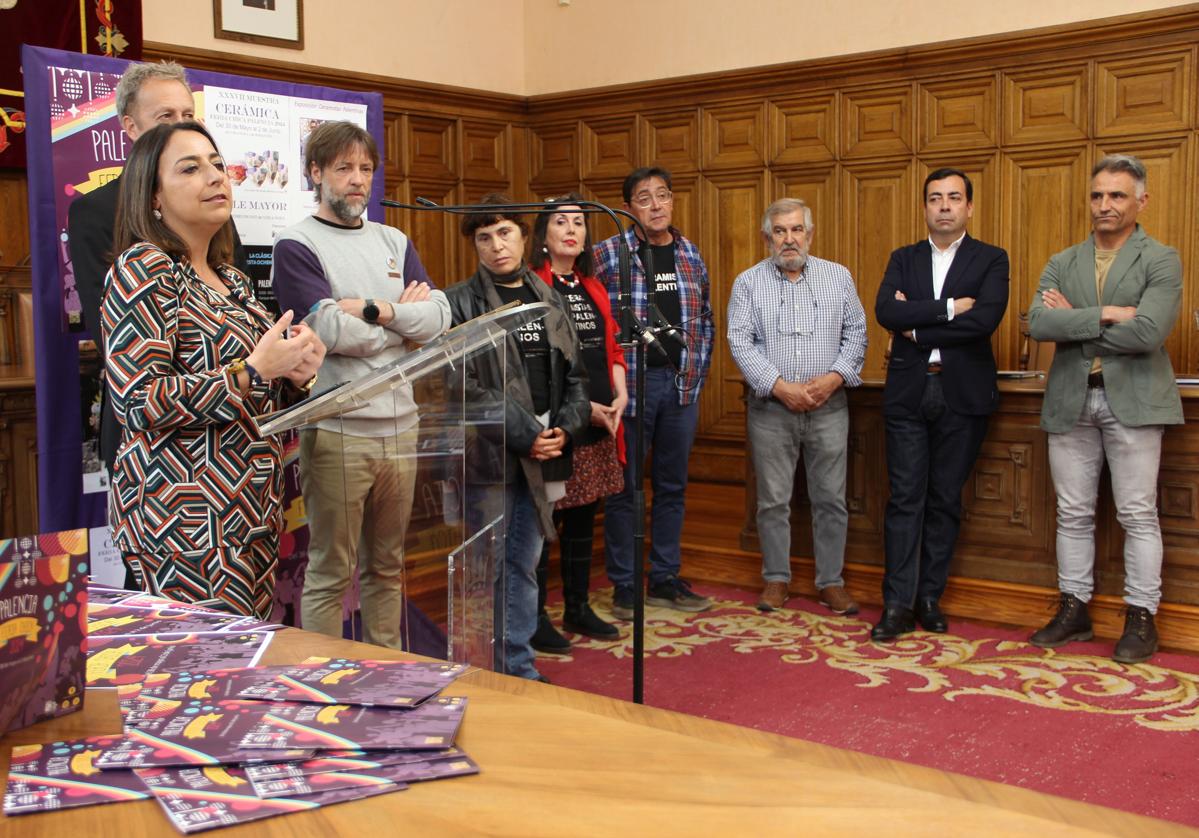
[(774, 596), (1071, 622), (1139, 641)]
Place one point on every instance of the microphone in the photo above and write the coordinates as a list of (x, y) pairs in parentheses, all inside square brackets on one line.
[(425, 202), (648, 336)]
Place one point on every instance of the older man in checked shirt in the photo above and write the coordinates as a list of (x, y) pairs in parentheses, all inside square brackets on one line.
[(798, 332)]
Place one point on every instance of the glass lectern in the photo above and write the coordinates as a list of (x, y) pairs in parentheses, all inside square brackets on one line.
[(417, 451)]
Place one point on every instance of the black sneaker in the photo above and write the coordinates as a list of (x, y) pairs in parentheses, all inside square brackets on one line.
[(547, 639), (622, 603), (675, 593)]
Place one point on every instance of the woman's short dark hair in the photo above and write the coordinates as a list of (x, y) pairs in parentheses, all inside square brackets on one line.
[(135, 221), (584, 263), (482, 218)]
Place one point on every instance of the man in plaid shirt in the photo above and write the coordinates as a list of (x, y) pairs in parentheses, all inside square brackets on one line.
[(675, 371), (797, 330)]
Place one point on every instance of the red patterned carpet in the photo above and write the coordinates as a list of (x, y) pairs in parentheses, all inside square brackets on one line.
[(980, 701)]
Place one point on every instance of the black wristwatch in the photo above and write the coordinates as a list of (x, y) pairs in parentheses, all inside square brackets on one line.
[(370, 311)]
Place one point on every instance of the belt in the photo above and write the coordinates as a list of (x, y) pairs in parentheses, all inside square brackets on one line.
[(1095, 379), (934, 369)]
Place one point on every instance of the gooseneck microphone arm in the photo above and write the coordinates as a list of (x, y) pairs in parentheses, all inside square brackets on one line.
[(633, 333)]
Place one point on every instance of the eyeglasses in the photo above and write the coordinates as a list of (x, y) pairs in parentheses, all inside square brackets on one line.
[(644, 201)]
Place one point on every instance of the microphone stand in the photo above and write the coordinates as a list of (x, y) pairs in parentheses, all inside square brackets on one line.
[(633, 333)]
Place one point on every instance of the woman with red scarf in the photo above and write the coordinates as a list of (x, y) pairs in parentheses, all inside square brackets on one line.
[(562, 258)]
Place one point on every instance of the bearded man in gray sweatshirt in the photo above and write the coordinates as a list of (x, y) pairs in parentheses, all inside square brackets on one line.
[(361, 286)]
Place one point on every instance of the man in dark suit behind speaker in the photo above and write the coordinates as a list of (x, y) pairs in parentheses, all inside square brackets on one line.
[(147, 95), (942, 298)]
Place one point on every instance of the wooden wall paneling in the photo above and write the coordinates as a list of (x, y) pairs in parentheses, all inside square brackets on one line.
[(815, 185), (608, 193), (732, 203), (431, 147), (14, 209), (734, 136), (1167, 218), (1178, 507), (435, 234), (610, 146), (1045, 210), (486, 152), (671, 139), (866, 490), (18, 458), (393, 146), (1007, 523), (1144, 93), (1047, 104), (982, 167), (877, 121), (958, 114), (803, 129), (879, 203), (554, 154)]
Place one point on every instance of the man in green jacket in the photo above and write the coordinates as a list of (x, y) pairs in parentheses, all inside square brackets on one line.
[(1109, 303)]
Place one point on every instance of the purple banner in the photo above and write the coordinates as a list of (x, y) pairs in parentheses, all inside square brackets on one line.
[(75, 144)]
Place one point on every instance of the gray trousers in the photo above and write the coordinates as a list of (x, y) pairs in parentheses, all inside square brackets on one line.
[(778, 437), (1076, 459)]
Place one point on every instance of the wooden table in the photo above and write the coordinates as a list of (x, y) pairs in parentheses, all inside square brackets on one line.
[(559, 762)]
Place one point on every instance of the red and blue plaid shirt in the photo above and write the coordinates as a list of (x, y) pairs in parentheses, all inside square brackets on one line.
[(694, 298)]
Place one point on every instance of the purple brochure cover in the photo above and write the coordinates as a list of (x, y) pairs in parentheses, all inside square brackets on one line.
[(150, 702), (61, 775), (145, 750), (433, 725), (43, 639), (196, 799), (123, 619), (104, 595), (409, 772), (327, 764), (367, 682), (115, 660)]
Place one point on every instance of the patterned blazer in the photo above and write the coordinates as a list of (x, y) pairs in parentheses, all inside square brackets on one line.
[(192, 472)]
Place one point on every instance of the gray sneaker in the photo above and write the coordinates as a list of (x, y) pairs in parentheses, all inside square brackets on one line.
[(675, 593)]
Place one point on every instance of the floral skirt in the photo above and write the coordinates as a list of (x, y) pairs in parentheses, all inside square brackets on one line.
[(597, 474)]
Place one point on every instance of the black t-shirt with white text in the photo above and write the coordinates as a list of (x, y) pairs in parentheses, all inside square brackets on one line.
[(592, 332), (666, 296), (534, 343)]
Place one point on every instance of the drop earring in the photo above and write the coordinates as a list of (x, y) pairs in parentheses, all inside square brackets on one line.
[(157, 213)]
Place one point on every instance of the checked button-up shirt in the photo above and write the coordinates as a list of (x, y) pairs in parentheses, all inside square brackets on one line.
[(796, 330), (694, 303)]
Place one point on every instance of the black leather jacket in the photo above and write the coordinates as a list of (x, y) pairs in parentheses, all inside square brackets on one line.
[(570, 406)]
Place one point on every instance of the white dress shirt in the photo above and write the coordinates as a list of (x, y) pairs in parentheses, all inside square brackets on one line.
[(942, 260)]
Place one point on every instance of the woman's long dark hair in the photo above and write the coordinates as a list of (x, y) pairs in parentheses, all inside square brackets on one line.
[(135, 221), (584, 262)]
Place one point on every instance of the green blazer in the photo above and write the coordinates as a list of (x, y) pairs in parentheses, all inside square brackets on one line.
[(1137, 373)]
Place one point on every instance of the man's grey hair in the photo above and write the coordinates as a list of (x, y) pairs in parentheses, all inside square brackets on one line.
[(784, 206), (138, 74), (1126, 163)]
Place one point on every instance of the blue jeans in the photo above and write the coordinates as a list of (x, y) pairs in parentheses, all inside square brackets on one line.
[(1133, 456), (778, 437), (516, 587), (669, 433)]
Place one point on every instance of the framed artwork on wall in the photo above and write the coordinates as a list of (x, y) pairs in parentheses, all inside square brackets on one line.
[(273, 23)]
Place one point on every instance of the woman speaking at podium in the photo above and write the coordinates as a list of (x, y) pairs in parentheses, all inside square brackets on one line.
[(192, 358)]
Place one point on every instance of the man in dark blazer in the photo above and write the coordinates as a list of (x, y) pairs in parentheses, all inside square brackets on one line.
[(941, 298), (147, 95)]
